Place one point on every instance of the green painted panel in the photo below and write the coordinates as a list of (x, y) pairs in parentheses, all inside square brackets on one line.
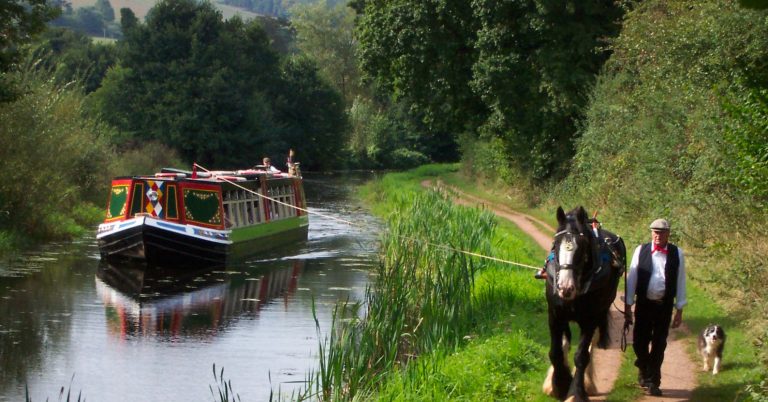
[(117, 200), (137, 201), (268, 229), (202, 206), (171, 212)]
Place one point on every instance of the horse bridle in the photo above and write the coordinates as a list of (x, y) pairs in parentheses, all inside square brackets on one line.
[(565, 267)]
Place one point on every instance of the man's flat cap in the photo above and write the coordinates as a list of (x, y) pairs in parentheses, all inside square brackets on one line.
[(660, 224)]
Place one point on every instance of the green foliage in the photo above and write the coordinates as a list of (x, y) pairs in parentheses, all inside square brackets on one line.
[(747, 133), (313, 116), (224, 388), (325, 35), (536, 62), (517, 71), (385, 137), (20, 20), (420, 53), (421, 300), (72, 57), (54, 160), (146, 158)]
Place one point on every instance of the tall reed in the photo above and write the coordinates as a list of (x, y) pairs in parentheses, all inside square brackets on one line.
[(420, 302)]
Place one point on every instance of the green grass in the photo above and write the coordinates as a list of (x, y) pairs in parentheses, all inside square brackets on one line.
[(437, 338), (739, 366)]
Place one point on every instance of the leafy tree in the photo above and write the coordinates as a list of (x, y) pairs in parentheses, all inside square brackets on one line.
[(72, 56), (421, 53), (747, 135), (537, 61), (20, 20), (105, 9), (214, 91), (327, 36), (313, 115), (516, 70)]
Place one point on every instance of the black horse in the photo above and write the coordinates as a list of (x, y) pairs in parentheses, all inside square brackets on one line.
[(583, 273)]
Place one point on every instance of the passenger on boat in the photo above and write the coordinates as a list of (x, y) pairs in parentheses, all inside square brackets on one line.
[(268, 165), (293, 167)]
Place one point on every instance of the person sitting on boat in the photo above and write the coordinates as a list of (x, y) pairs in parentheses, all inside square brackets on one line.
[(293, 167), (267, 165)]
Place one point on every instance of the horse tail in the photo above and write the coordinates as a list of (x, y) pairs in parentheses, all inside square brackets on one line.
[(603, 327)]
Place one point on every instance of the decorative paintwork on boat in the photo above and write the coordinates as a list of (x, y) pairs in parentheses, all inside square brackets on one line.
[(188, 217)]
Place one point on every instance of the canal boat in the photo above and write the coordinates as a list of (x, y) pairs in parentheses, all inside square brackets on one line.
[(202, 217)]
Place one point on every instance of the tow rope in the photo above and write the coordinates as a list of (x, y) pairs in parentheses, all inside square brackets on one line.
[(470, 253)]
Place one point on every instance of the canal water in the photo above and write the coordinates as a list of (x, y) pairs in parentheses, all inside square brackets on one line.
[(126, 333)]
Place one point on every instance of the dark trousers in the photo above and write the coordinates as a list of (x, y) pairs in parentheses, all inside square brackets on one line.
[(651, 329)]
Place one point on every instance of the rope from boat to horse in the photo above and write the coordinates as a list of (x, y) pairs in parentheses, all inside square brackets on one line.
[(353, 224)]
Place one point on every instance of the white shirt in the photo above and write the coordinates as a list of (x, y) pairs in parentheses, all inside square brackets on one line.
[(657, 284)]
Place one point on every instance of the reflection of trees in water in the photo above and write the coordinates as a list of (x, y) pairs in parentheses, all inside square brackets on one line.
[(156, 302), (34, 313)]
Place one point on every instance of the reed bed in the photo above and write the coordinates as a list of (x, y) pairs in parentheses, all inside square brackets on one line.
[(421, 301)]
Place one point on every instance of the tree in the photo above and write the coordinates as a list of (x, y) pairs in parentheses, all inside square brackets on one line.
[(72, 56), (20, 20), (313, 113), (421, 53), (515, 70), (327, 36), (213, 90), (106, 10), (537, 61)]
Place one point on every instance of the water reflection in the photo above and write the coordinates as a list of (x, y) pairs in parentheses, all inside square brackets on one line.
[(162, 302)]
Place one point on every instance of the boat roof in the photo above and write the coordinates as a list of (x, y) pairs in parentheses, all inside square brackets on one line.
[(213, 175)]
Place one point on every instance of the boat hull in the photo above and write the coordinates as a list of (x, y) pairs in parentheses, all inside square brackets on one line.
[(158, 242)]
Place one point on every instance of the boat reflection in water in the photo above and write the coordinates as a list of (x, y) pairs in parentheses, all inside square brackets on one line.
[(149, 301)]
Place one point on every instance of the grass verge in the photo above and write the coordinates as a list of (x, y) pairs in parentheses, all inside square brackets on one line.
[(479, 336)]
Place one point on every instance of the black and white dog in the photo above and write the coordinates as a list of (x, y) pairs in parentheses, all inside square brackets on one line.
[(711, 344)]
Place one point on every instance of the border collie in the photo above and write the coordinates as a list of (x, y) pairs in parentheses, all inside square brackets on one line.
[(711, 344)]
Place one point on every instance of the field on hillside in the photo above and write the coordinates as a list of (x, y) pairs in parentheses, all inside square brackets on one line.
[(142, 7)]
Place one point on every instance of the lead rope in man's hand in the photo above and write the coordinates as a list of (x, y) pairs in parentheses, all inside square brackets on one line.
[(627, 316), (627, 324)]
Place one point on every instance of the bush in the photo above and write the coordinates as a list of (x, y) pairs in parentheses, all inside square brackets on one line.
[(54, 159)]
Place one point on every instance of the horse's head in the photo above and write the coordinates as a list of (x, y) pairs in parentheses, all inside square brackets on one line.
[(573, 252)]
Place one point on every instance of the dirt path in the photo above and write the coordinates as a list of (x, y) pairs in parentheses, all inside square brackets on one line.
[(678, 371)]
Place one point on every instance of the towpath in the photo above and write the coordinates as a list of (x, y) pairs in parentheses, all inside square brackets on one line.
[(678, 370)]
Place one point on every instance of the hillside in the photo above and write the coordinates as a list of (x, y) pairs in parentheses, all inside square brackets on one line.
[(142, 7)]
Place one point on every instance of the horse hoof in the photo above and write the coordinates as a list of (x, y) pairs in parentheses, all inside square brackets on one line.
[(548, 388), (574, 398)]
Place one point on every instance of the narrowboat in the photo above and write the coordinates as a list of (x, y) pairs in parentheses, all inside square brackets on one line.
[(201, 218)]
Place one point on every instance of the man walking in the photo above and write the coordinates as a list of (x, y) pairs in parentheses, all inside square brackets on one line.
[(656, 282)]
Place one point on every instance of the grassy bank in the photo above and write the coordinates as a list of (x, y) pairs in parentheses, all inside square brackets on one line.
[(439, 324)]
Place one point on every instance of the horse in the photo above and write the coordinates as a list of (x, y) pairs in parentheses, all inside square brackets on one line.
[(583, 273)]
